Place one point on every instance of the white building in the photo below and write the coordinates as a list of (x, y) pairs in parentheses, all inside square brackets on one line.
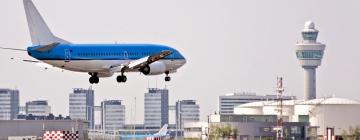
[(227, 102), (81, 105), (9, 104), (156, 106), (37, 108), (196, 130), (323, 112), (113, 114), (187, 111)]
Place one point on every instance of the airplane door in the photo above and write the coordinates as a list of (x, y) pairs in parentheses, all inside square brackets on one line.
[(67, 55), (126, 56)]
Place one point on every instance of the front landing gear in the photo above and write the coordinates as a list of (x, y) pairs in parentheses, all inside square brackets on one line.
[(94, 79), (121, 78), (167, 78)]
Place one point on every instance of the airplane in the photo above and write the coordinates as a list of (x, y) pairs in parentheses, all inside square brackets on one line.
[(162, 133), (98, 60)]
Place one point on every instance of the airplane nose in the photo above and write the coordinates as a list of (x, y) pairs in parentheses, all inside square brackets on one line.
[(183, 59)]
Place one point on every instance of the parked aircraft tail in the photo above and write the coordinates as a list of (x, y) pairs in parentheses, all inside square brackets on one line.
[(163, 131)]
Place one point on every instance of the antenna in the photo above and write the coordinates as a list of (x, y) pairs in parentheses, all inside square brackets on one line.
[(279, 124)]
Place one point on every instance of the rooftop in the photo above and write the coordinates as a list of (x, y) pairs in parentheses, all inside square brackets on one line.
[(332, 100)]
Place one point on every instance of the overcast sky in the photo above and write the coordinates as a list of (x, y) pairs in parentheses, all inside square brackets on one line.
[(230, 45)]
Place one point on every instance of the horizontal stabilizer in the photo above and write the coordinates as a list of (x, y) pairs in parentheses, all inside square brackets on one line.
[(13, 49), (25, 60)]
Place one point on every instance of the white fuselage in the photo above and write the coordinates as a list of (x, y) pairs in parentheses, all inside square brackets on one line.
[(102, 66)]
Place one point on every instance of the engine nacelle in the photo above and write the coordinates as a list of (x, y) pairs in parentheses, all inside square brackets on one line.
[(155, 68)]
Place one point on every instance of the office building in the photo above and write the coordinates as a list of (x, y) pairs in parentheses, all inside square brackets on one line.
[(156, 106), (113, 115), (187, 111), (9, 104), (229, 101), (81, 105), (37, 108)]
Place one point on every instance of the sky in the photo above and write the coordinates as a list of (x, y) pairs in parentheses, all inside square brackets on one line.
[(230, 46)]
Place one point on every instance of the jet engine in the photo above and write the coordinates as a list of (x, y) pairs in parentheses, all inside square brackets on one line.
[(154, 68)]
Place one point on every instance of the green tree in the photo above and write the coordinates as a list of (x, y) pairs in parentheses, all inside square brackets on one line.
[(219, 131), (353, 133)]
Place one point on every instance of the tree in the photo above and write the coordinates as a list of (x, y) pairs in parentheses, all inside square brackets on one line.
[(220, 131), (352, 134)]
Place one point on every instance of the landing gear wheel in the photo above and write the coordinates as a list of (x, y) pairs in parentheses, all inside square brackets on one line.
[(94, 80), (167, 78), (121, 78), (91, 80)]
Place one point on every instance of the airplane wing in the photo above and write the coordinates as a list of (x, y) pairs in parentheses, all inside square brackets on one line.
[(37, 63), (140, 63), (25, 60), (137, 64)]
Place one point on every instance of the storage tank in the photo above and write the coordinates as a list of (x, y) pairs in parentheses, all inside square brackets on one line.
[(288, 109), (340, 113), (253, 108)]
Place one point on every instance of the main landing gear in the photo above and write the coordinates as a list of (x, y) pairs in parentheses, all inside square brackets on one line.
[(167, 78), (121, 78), (94, 79)]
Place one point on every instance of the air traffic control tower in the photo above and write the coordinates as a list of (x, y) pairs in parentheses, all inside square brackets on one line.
[(309, 53)]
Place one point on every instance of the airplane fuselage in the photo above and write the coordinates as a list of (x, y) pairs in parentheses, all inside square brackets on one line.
[(100, 57), (98, 60)]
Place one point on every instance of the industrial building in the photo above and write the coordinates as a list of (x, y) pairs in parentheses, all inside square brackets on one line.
[(340, 113), (9, 101), (227, 102), (81, 105), (11, 128), (156, 108), (255, 127)]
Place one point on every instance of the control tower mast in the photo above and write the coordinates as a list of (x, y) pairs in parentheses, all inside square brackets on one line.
[(309, 53)]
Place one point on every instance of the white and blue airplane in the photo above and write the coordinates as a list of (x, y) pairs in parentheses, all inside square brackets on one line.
[(161, 134), (98, 60)]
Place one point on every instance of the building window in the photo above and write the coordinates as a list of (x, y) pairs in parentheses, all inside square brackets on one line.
[(303, 118), (295, 130)]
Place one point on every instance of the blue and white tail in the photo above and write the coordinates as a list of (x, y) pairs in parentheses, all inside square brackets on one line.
[(163, 131), (39, 31)]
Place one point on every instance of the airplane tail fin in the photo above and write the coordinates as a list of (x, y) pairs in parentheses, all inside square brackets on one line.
[(39, 31), (163, 131)]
